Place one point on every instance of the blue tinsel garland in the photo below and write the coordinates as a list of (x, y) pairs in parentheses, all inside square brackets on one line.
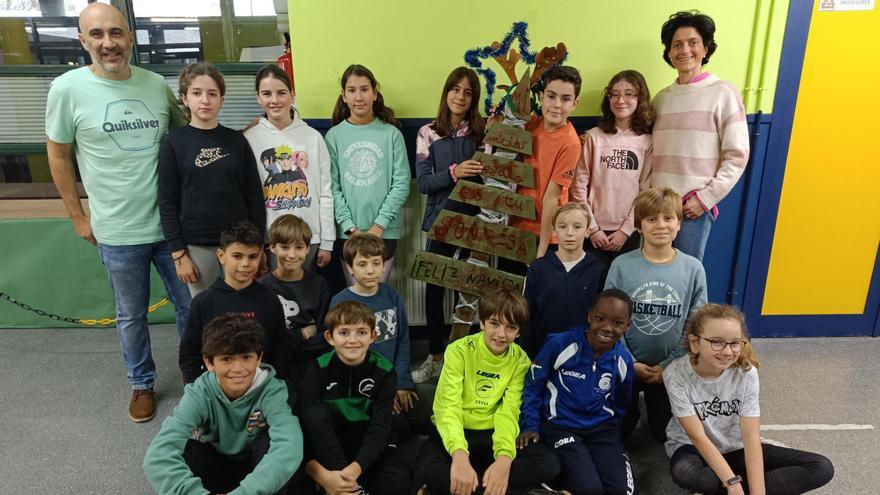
[(473, 57)]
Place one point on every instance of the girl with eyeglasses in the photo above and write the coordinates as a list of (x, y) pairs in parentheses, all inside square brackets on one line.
[(616, 165), (714, 440)]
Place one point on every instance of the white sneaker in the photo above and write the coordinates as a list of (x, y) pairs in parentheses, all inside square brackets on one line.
[(427, 370)]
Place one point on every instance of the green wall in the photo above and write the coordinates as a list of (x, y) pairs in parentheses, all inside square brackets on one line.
[(412, 45)]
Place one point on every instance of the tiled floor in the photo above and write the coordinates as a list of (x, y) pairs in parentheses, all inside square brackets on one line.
[(65, 429)]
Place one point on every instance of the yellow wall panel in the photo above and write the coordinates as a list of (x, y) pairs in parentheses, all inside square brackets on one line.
[(411, 45), (828, 227)]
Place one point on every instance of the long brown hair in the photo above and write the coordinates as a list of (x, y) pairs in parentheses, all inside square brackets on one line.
[(476, 123), (341, 110), (642, 118), (712, 311)]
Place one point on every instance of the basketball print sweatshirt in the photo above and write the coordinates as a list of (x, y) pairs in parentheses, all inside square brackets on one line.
[(663, 298)]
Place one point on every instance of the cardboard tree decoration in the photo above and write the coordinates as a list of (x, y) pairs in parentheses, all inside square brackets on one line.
[(488, 234)]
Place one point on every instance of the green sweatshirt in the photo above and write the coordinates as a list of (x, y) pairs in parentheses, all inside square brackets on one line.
[(206, 414), (369, 176), (480, 391)]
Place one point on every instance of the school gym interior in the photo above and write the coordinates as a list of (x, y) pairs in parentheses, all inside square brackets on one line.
[(795, 245)]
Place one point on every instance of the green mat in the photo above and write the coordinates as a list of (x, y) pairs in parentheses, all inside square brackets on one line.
[(47, 267)]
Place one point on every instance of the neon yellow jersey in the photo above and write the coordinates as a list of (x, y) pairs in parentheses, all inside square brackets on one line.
[(480, 391)]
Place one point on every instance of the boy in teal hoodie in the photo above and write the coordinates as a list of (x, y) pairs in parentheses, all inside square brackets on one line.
[(232, 431)]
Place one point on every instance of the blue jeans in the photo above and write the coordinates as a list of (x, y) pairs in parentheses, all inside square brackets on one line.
[(129, 270), (692, 237)]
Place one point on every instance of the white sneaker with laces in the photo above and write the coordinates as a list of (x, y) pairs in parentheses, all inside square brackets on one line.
[(427, 370)]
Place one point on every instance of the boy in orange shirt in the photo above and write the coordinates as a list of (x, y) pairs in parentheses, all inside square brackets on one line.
[(555, 152)]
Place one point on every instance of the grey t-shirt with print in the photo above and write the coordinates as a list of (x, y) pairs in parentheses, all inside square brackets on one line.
[(718, 403)]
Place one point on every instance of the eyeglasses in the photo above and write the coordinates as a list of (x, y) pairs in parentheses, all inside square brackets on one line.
[(626, 96), (719, 345)]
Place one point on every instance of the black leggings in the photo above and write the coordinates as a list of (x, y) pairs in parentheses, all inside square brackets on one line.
[(220, 473), (607, 257), (786, 471), (656, 406), (533, 465), (335, 449)]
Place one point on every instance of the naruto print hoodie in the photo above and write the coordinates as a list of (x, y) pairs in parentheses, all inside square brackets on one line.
[(294, 168)]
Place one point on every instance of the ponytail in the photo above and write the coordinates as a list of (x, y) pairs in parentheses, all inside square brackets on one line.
[(380, 111)]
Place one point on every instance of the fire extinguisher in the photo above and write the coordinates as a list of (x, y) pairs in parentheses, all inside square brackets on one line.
[(285, 61)]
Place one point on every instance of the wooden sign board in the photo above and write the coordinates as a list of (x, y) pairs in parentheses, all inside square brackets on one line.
[(461, 275), (493, 198), (505, 169), (472, 233), (510, 138)]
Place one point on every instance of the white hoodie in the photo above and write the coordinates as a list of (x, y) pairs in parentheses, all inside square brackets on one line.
[(294, 169)]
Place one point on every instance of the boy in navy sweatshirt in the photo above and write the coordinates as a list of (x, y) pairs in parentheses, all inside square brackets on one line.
[(561, 285), (364, 257), (241, 245), (576, 394)]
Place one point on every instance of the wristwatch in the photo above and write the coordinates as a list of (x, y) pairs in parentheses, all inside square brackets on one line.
[(732, 481)]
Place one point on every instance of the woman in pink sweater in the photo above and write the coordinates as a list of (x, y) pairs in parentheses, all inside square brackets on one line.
[(701, 140), (616, 165)]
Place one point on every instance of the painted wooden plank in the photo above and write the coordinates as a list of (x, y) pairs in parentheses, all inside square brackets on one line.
[(510, 138), (493, 198), (506, 169), (461, 275), (472, 233)]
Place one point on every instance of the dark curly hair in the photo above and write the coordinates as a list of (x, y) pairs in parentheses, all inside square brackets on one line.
[(231, 333), (614, 293), (693, 18), (642, 118), (564, 73), (242, 232)]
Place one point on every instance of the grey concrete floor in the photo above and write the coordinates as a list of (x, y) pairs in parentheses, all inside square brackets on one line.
[(65, 428)]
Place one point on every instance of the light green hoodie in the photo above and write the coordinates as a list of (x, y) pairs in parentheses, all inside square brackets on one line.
[(206, 414)]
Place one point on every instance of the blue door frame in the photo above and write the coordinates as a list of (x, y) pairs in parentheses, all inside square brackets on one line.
[(867, 323)]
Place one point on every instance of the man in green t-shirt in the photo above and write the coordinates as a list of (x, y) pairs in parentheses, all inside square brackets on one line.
[(113, 116)]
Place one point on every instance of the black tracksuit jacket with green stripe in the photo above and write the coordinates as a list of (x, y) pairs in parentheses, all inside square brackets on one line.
[(347, 409)]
